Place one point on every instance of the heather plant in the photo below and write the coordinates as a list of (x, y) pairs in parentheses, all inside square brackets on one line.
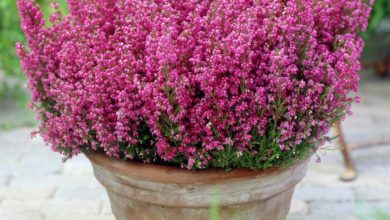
[(195, 83)]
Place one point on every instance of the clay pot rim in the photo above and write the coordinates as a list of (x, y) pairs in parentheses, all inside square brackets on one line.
[(177, 175)]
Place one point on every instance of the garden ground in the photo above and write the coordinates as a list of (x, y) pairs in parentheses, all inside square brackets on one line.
[(35, 184)]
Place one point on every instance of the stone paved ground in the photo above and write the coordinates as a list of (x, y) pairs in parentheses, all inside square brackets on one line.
[(35, 184)]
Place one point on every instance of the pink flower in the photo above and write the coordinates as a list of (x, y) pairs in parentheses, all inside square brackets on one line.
[(185, 79)]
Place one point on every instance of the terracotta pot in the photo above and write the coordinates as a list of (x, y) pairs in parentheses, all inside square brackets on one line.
[(153, 192)]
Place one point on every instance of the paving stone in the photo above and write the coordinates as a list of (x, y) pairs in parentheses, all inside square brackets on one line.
[(26, 193), (4, 179), (373, 93), (78, 166), (317, 179), (373, 194), (18, 141), (40, 162), (41, 154), (365, 179), (377, 154), (359, 119), (37, 163), (57, 180), (81, 216), (366, 138), (7, 159), (321, 217), (324, 194), (332, 208), (330, 159), (67, 187), (358, 208), (381, 118), (374, 170), (106, 208), (21, 216), (9, 163), (373, 161), (299, 207), (82, 193), (369, 123), (39, 168), (326, 166), (50, 208)]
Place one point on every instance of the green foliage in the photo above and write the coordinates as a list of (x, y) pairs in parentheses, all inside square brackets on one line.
[(269, 154), (10, 34), (142, 150), (380, 10), (15, 93)]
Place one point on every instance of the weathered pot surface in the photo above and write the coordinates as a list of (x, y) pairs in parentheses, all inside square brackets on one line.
[(154, 192)]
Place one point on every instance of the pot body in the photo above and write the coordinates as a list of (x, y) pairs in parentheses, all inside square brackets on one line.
[(152, 192)]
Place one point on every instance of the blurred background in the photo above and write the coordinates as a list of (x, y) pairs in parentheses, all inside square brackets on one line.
[(352, 181)]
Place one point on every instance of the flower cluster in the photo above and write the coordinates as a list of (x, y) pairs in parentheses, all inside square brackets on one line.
[(196, 83)]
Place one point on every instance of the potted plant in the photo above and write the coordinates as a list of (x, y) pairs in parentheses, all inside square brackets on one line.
[(176, 101)]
